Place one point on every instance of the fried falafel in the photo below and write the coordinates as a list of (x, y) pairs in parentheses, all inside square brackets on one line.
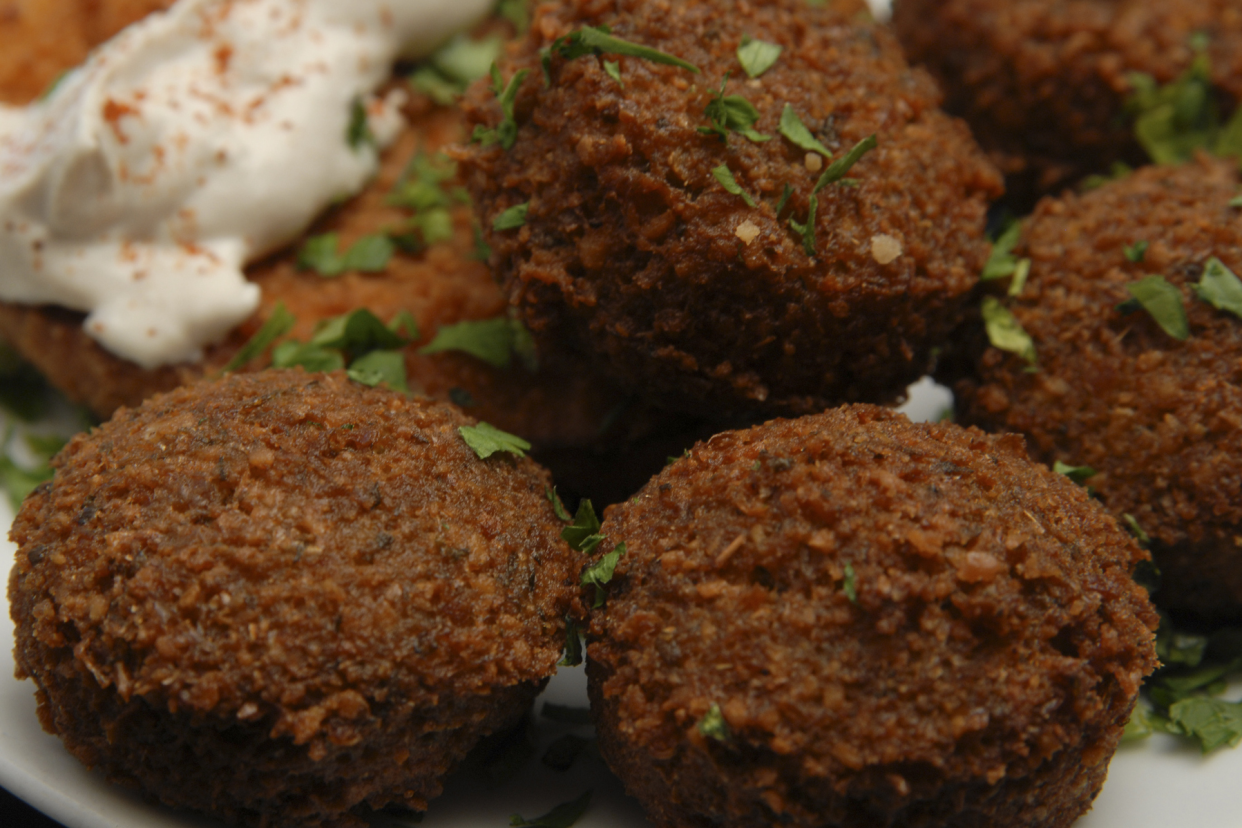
[(645, 211), (1043, 84), (852, 620), (1158, 419), (283, 598)]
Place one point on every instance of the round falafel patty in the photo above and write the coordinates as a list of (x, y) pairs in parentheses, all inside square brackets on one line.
[(639, 241), (1043, 84), (852, 620), (1158, 419), (278, 597)]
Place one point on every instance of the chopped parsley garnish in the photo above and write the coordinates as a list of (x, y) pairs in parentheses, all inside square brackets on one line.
[(796, 131), (562, 816), (1005, 331), (511, 218), (1136, 252), (807, 229), (600, 573), (1220, 287), (380, 368), (1001, 262), (369, 254), (573, 645), (757, 56), (850, 584), (1079, 474), (421, 186), (1117, 171), (356, 333), (598, 40), (404, 321), (1174, 120), (783, 200), (557, 506), (1194, 669), (358, 132), (583, 534), (732, 113), (457, 64), (505, 133), (725, 177), (834, 174), (613, 70), (487, 440), (566, 714), (714, 726), (276, 326), (516, 12), (495, 341), (309, 357), (1163, 302), (1133, 525), (19, 480)]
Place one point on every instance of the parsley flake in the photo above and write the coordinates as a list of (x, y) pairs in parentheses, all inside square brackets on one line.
[(850, 584), (600, 573), (487, 440), (1220, 287), (573, 645), (504, 133), (1163, 302), (1136, 252), (380, 368), (726, 179), (792, 128), (495, 341), (511, 218), (714, 726), (358, 132), (557, 506), (807, 229), (356, 333), (598, 40), (613, 70), (583, 534), (1214, 723), (1005, 331), (1133, 525), (1079, 474), (837, 169), (18, 480), (276, 326), (1001, 261), (757, 56), (562, 816), (310, 357), (1172, 121), (732, 113), (369, 254)]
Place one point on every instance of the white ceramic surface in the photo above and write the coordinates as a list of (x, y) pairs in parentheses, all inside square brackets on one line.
[(1156, 784)]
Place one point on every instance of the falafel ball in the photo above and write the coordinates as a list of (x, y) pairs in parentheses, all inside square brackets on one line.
[(283, 598), (852, 620), (1158, 419), (631, 216), (1044, 84)]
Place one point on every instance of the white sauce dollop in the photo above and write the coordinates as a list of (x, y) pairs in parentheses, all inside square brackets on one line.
[(194, 142)]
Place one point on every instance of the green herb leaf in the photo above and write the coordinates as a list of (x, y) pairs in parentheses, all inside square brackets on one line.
[(613, 70), (714, 726), (599, 41), (404, 321), (796, 131), (19, 481), (756, 56), (310, 357), (421, 185), (1220, 287), (850, 584), (837, 169), (1136, 530), (465, 60), (516, 12), (505, 133), (276, 326), (432, 83), (1164, 302), (1005, 331), (482, 250), (566, 714), (1001, 261), (487, 440), (783, 200), (357, 333), (511, 218), (562, 816), (1079, 474), (380, 367), (358, 132), (491, 340), (369, 254), (434, 225), (557, 506), (584, 528), (1212, 722), (1136, 252), (600, 573), (807, 229), (725, 177), (732, 112), (573, 645)]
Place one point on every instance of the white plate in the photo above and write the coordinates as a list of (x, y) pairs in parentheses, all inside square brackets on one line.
[(1156, 784)]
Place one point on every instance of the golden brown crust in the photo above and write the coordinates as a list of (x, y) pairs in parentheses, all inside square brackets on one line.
[(982, 676), (280, 596), (1042, 84), (630, 246), (1159, 419)]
